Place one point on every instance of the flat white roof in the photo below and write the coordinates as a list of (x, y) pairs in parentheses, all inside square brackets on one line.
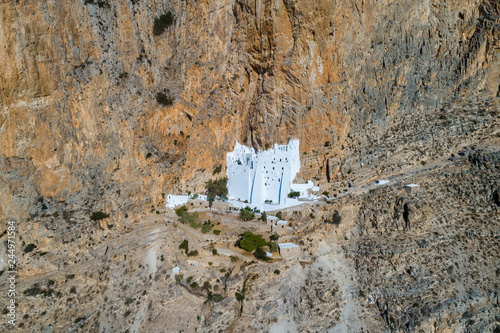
[(287, 245), (268, 254), (412, 185), (272, 218), (282, 222), (176, 270), (381, 182)]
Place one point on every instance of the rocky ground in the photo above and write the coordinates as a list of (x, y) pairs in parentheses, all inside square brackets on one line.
[(398, 261)]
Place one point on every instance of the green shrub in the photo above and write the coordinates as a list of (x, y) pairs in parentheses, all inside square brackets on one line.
[(273, 247), (184, 246), (29, 248), (216, 232), (162, 22), (274, 237), (217, 169), (163, 99), (247, 214), (191, 219), (279, 215), (277, 271), (234, 258), (181, 210), (96, 216), (216, 188), (192, 253), (336, 218), (206, 227), (250, 242), (179, 278), (261, 254), (239, 296), (294, 194), (194, 285)]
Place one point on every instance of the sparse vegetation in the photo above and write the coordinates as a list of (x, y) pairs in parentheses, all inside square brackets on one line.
[(247, 214), (163, 99), (336, 218), (239, 296), (216, 188), (36, 290), (99, 3), (180, 211), (184, 246), (273, 247), (29, 248), (206, 227), (162, 22), (96, 216), (250, 242), (191, 219), (217, 169), (261, 254)]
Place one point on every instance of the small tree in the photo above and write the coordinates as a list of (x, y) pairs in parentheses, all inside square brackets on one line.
[(184, 246), (247, 214), (250, 242), (279, 215), (263, 217), (274, 237), (206, 227), (216, 188), (239, 296), (179, 211), (261, 254), (273, 247)]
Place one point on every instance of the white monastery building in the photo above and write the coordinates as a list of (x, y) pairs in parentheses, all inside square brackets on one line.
[(263, 177)]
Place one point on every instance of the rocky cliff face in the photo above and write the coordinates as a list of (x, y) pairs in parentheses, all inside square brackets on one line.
[(80, 78), (403, 90)]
